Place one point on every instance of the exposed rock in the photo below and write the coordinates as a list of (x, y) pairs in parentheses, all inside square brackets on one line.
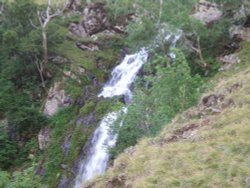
[(228, 61), (240, 32), (68, 100), (246, 4), (3, 123), (66, 145), (130, 150), (78, 29), (117, 181), (86, 120), (95, 20), (207, 12), (184, 133), (59, 59), (64, 182), (214, 103), (81, 70), (74, 4), (87, 46), (79, 101), (44, 137), (56, 98)]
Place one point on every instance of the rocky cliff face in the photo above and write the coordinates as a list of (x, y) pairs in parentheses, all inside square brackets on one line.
[(94, 19)]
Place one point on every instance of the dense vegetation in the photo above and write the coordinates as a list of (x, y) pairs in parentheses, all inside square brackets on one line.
[(165, 87)]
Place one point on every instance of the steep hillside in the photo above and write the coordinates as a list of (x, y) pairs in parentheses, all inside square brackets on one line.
[(156, 59), (206, 146)]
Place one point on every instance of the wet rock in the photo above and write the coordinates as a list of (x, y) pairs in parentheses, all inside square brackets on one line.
[(79, 101), (40, 168), (55, 99), (207, 12), (68, 100), (64, 166), (44, 137), (86, 120), (64, 182), (66, 145)]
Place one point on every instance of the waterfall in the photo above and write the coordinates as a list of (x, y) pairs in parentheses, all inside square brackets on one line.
[(122, 77)]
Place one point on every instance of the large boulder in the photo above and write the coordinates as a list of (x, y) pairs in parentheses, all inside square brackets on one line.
[(240, 32), (207, 12)]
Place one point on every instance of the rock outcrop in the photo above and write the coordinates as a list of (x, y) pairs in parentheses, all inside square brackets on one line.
[(228, 61), (94, 19), (44, 137), (207, 12), (56, 98)]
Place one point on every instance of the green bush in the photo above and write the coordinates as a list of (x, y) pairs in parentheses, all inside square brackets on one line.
[(8, 151)]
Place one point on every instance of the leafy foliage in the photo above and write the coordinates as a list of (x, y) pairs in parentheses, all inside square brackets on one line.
[(23, 179), (7, 152)]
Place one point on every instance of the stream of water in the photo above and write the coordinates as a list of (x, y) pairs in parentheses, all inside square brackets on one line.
[(122, 77)]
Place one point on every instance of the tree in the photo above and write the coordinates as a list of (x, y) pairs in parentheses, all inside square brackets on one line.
[(44, 18)]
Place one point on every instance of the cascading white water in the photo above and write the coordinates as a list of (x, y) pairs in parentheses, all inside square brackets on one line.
[(123, 75), (97, 155)]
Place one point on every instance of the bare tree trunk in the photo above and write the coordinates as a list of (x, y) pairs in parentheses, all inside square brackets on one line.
[(44, 21), (45, 50), (40, 70), (160, 11), (198, 51)]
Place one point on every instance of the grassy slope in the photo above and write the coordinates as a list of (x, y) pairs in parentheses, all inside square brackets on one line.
[(209, 150)]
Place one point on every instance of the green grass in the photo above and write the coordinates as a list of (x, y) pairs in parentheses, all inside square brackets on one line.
[(62, 123), (79, 57)]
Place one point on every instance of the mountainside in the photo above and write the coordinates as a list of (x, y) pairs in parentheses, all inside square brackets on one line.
[(154, 92), (206, 146)]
